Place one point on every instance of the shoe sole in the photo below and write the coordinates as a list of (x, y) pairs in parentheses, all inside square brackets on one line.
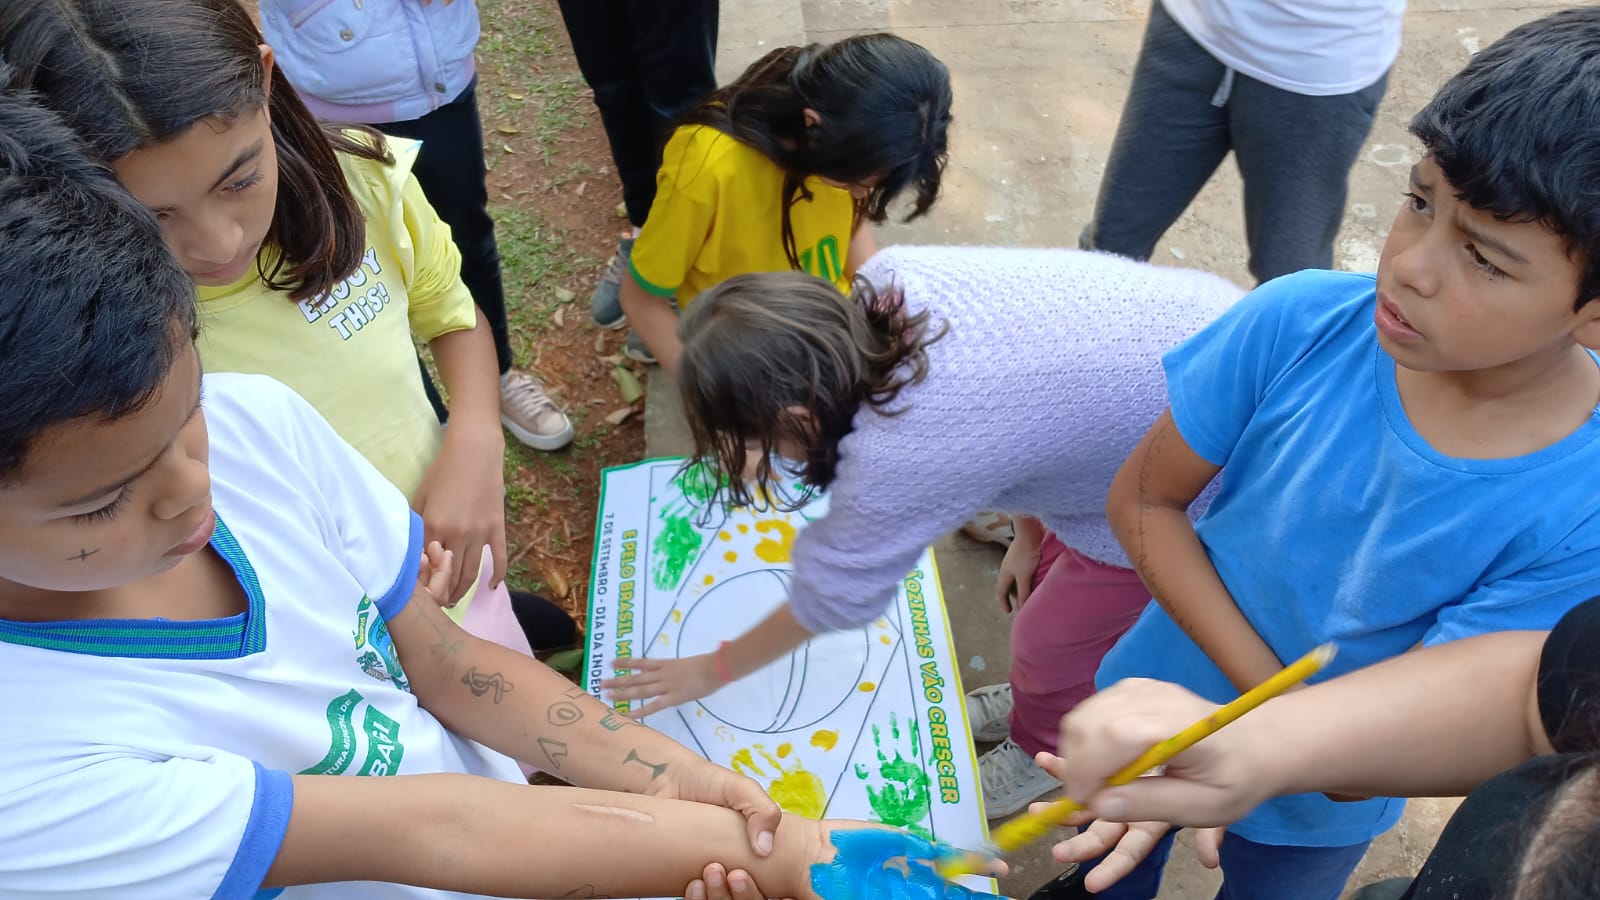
[(993, 735), (610, 326), (638, 357), (538, 441)]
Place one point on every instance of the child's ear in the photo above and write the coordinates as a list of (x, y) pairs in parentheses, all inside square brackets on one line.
[(812, 117), (1587, 331), (267, 62)]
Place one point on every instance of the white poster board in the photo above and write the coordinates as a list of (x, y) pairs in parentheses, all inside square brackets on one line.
[(867, 724)]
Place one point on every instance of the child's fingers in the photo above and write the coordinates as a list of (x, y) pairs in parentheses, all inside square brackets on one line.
[(1129, 852), (434, 574), (636, 664), (497, 553), (469, 558), (634, 687), (1208, 846)]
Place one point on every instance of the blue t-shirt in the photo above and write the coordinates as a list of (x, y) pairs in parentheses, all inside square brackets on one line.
[(1336, 521)]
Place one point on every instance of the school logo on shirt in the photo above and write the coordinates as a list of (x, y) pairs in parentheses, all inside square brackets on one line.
[(375, 652), (346, 307), (376, 741)]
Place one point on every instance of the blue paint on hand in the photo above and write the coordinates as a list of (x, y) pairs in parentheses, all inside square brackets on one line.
[(884, 863)]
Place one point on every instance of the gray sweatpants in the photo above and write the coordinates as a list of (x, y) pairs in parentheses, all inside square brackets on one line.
[(1185, 111)]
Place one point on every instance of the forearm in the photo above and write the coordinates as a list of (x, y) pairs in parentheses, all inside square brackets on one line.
[(654, 320), (776, 635), (480, 836), (526, 710), (1437, 721), (466, 361), (1156, 533), (1028, 530), (863, 246)]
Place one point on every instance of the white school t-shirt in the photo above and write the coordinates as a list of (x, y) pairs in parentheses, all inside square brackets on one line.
[(1318, 48), (152, 758)]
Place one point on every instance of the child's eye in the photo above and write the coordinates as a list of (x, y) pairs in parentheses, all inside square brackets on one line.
[(1483, 264), (244, 184), (107, 512), (1415, 201)]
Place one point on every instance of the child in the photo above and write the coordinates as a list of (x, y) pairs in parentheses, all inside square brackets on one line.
[(318, 259), (784, 169), (360, 62), (200, 598), (1400, 449), (1441, 721), (918, 404)]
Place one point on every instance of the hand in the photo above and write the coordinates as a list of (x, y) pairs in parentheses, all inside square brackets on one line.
[(665, 682), (433, 577), (716, 883), (462, 504), (701, 781), (1017, 570), (862, 860), (1124, 846), (1215, 782)]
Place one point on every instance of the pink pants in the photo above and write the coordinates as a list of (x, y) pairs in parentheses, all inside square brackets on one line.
[(1078, 609), (489, 616)]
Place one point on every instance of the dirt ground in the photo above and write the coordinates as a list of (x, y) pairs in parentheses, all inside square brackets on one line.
[(555, 196)]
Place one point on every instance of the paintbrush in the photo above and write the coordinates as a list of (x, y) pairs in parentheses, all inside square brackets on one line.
[(1029, 827)]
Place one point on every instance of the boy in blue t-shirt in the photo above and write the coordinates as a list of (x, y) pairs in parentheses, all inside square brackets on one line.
[(1405, 452)]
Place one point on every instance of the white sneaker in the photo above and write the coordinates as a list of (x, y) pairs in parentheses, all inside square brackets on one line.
[(989, 712), (1011, 780), (530, 415)]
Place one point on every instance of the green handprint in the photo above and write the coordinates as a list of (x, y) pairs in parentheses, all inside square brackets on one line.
[(902, 797)]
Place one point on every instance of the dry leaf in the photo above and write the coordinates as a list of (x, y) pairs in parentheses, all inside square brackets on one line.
[(560, 318), (622, 210), (515, 96), (507, 148), (508, 129), (504, 196), (600, 343), (564, 296), (558, 583), (618, 416), (582, 186), (628, 384)]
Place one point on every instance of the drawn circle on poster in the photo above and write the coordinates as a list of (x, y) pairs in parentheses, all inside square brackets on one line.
[(796, 691)]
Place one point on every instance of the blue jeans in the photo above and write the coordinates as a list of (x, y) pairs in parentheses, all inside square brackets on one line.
[(1252, 871)]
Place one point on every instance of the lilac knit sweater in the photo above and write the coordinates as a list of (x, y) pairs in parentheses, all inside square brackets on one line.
[(1049, 374)]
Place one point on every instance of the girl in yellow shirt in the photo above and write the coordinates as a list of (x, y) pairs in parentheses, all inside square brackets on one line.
[(784, 169), (318, 260)]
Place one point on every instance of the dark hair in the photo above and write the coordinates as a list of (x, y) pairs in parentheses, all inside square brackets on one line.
[(92, 305), (760, 343), (1517, 132), (1561, 852), (130, 74), (884, 104)]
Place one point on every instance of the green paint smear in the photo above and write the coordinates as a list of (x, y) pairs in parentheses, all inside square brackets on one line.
[(904, 797), (699, 483), (674, 549)]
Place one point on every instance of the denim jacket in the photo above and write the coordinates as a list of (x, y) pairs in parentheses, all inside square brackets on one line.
[(373, 61)]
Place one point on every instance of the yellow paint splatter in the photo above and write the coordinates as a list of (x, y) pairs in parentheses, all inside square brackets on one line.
[(710, 578), (795, 789), (775, 549), (882, 624), (885, 638), (731, 556), (784, 750), (665, 642), (724, 536), (825, 739), (743, 528), (865, 687), (677, 615)]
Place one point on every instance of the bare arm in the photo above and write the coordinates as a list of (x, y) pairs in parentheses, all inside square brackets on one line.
[(1434, 722), (525, 709), (462, 498), (458, 832), (1148, 510), (863, 246), (654, 320), (670, 682)]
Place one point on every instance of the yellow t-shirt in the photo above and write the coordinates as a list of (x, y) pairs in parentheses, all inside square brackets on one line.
[(350, 352), (718, 212)]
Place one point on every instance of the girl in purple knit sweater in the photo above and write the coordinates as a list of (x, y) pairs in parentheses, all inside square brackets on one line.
[(952, 380)]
